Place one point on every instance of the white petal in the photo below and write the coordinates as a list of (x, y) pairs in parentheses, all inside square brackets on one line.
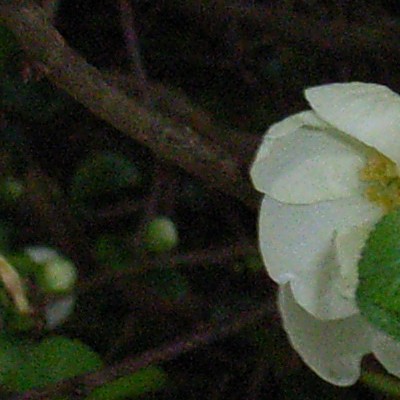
[(332, 349), (387, 351), (294, 122), (349, 244), (328, 292), (58, 310), (297, 239), (280, 129), (367, 112), (41, 254), (307, 166), (319, 294)]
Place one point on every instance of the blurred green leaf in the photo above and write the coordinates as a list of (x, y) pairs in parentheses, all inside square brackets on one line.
[(382, 383), (10, 358), (144, 381), (103, 172), (52, 360), (23, 263)]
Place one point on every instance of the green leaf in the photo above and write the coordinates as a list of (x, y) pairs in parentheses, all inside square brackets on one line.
[(143, 381), (54, 359), (378, 292), (10, 358)]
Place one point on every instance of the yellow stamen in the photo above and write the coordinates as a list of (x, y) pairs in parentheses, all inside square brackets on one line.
[(383, 182)]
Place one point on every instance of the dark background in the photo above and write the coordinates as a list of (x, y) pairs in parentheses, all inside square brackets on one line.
[(242, 65)]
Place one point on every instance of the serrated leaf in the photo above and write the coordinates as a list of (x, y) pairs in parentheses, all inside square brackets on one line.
[(378, 292)]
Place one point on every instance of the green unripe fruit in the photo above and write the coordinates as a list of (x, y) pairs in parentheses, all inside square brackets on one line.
[(161, 235), (11, 190), (57, 276), (54, 273)]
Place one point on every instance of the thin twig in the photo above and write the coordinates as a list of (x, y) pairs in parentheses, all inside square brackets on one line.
[(175, 104), (175, 143), (202, 336), (208, 256), (51, 212), (132, 46), (275, 22)]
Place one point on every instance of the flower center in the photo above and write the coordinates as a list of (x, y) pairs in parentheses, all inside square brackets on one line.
[(383, 181)]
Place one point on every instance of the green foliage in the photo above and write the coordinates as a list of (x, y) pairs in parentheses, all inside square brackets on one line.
[(52, 360), (378, 293), (23, 263), (382, 383), (161, 235), (10, 358), (141, 382), (17, 322), (103, 173)]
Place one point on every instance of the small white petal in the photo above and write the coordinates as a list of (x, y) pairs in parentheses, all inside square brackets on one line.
[(307, 166), (332, 349), (58, 310), (387, 351), (297, 239), (368, 112), (41, 254)]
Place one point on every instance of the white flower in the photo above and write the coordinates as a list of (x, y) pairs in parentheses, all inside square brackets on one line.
[(325, 174)]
